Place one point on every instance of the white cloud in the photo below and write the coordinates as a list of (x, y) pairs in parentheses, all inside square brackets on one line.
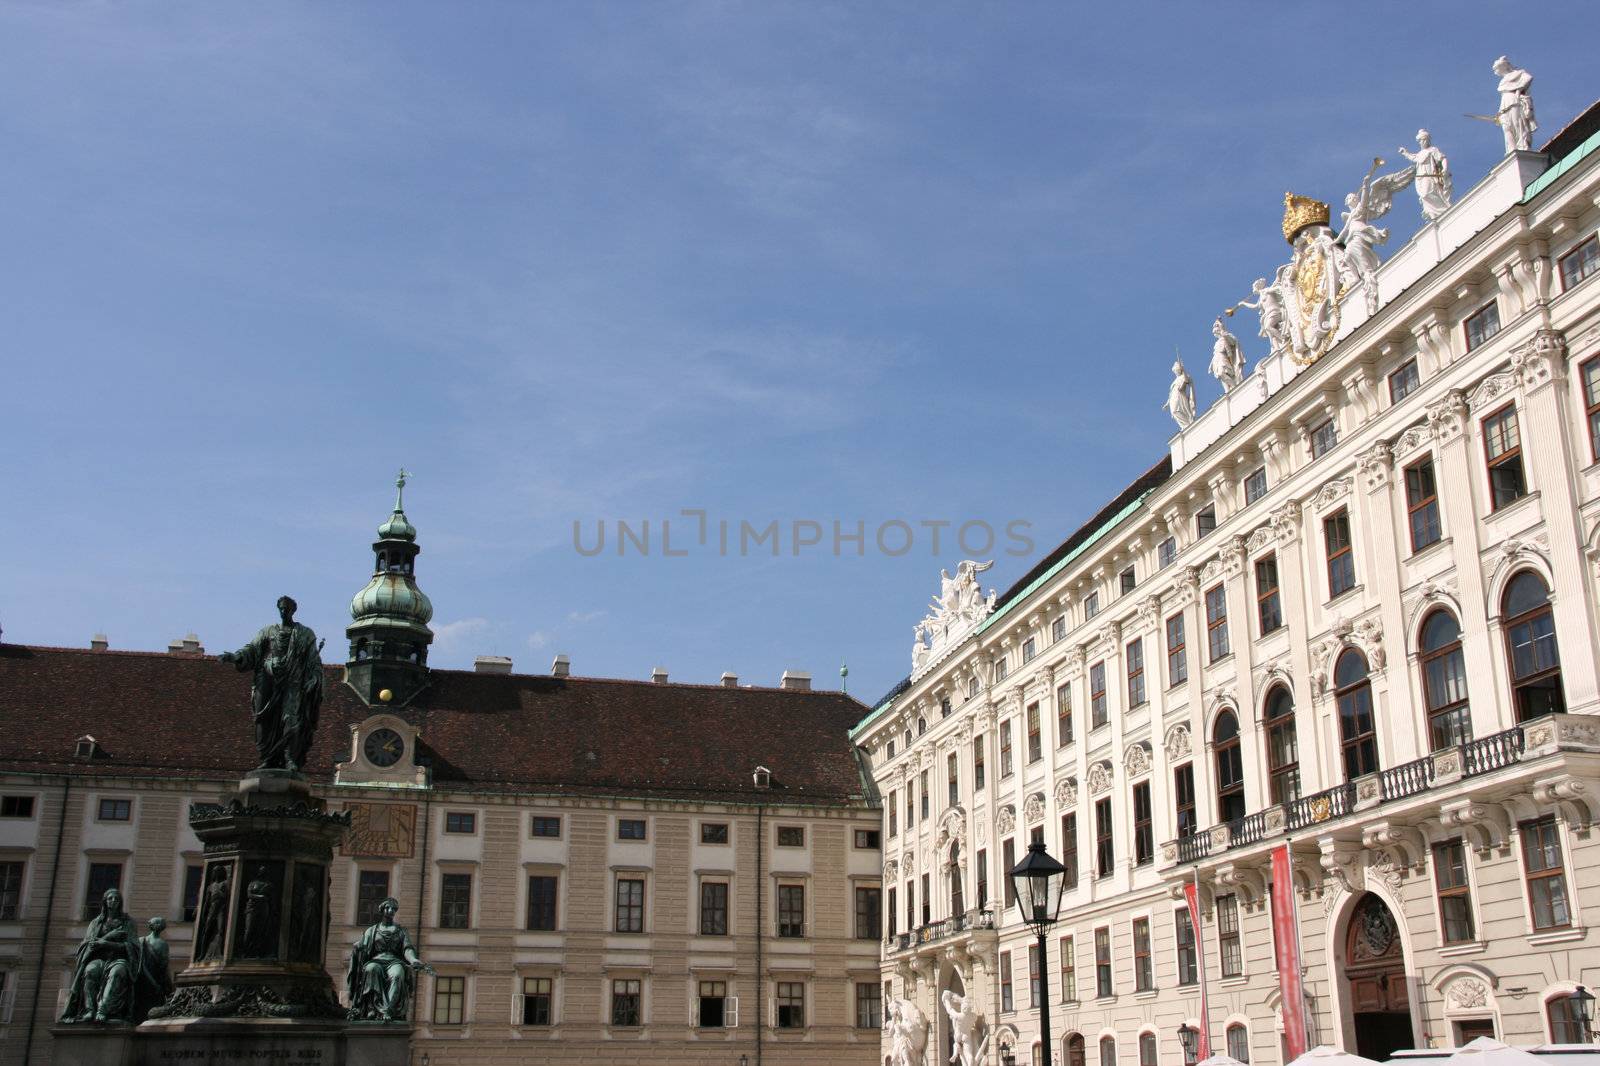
[(538, 639), (450, 634), (582, 617)]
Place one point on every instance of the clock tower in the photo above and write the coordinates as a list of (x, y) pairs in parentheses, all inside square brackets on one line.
[(389, 634)]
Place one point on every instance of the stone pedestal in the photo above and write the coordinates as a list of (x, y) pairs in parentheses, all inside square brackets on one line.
[(261, 930), (256, 989)]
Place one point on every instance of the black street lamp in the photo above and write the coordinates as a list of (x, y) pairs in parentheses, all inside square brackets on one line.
[(1007, 1058), (1189, 1038), (1037, 881), (1583, 1010)]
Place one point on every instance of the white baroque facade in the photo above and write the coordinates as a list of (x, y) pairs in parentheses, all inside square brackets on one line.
[(1355, 613)]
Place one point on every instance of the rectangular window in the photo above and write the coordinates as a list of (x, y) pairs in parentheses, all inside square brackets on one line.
[(1000, 669), (1422, 505), (630, 829), (449, 1000), (455, 901), (627, 1001), (1127, 581), (1144, 974), (1058, 629), (713, 908), (712, 1000), (1228, 935), (713, 832), (1580, 263), (1205, 521), (372, 888), (1455, 895), (11, 890), (1324, 437), (945, 707), (192, 882), (983, 878), (1404, 381), (1098, 715), (1269, 605), (1102, 962), (1104, 847), (1183, 800), (1035, 738), (1029, 650), (891, 807), (1255, 486), (791, 1005), (911, 905), (1482, 324), (1590, 372), (460, 822), (16, 806), (922, 781), (869, 905), (952, 779), (544, 825), (536, 997), (1091, 605), (1547, 876), (1167, 552), (927, 902), (1341, 559), (1144, 841), (1063, 714), (1135, 657), (542, 902), (792, 911), (1007, 1003), (977, 763), (116, 810), (630, 905), (794, 836), (1008, 860), (1033, 975), (1005, 749), (892, 912), (869, 1005), (1069, 972), (1217, 624), (868, 839), (1177, 659), (1504, 447), (103, 876), (1183, 933)]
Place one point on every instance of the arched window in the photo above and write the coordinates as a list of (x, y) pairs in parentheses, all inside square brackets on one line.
[(958, 902), (1108, 1051), (922, 725), (1239, 1043), (1566, 1027), (1353, 693), (1230, 767), (1076, 1054), (1531, 646), (1147, 1049), (1038, 1056), (1444, 681), (1283, 748)]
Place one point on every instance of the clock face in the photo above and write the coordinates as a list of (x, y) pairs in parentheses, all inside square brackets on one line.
[(384, 748)]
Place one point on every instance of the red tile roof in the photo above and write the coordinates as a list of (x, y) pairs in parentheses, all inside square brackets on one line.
[(189, 716)]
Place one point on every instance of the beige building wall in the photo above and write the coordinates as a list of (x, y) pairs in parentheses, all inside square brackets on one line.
[(406, 839)]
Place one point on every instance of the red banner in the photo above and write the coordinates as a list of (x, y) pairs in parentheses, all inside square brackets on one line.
[(1286, 944), (1191, 894)]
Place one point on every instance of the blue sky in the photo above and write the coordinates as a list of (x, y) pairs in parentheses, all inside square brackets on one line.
[(572, 262)]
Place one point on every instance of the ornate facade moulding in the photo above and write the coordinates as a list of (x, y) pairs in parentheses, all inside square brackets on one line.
[(1136, 760), (1178, 743), (1100, 778), (1066, 793)]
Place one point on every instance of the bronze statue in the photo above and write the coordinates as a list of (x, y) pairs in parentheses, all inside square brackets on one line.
[(382, 965), (107, 967), (259, 937), (208, 941), (155, 970), (287, 692)]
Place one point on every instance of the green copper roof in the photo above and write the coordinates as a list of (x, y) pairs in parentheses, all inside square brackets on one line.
[(1572, 159)]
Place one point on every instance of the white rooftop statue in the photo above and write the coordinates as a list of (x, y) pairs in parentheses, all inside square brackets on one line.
[(1180, 396), (1434, 187), (1227, 360), (954, 613), (1354, 249), (1516, 106)]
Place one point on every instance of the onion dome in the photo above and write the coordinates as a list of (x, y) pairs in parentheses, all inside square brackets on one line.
[(389, 634)]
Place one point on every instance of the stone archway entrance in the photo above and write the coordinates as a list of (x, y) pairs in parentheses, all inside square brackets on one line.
[(1375, 976)]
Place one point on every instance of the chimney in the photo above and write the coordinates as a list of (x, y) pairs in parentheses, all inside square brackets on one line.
[(189, 644), (562, 667), (730, 679), (659, 675), (795, 681), (492, 664), (98, 642)]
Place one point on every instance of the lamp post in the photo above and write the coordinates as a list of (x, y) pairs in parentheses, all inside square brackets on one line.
[(1007, 1058), (1037, 881), (1189, 1038), (1583, 1010)]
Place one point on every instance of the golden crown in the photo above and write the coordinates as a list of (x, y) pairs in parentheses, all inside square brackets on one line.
[(1300, 212)]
